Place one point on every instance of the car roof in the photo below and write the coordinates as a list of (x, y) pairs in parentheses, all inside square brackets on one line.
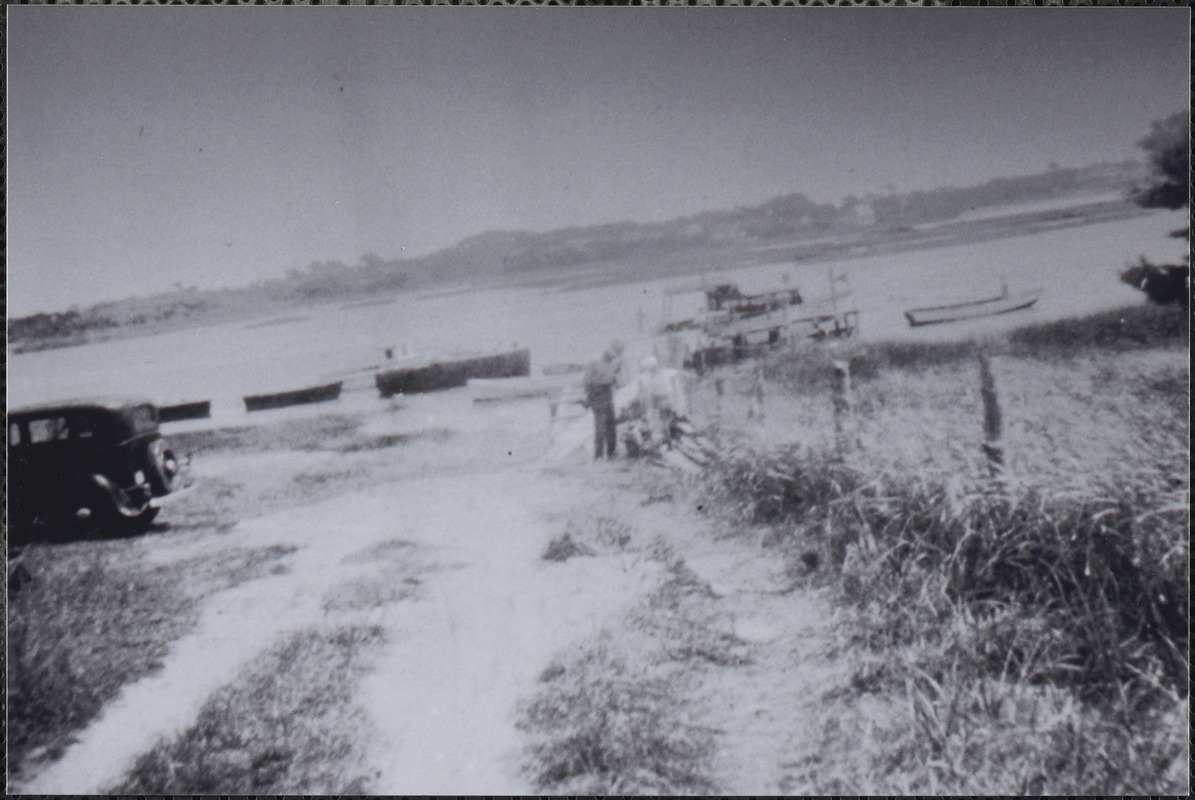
[(107, 403)]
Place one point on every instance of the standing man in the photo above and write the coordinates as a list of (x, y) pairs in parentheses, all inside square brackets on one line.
[(601, 377)]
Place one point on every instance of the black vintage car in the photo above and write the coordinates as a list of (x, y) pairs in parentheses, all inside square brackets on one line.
[(86, 468)]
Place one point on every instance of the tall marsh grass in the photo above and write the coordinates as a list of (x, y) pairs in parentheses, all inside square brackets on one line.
[(1129, 328), (1022, 633), (1074, 602)]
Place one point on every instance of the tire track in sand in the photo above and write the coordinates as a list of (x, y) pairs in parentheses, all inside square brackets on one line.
[(445, 691), (445, 695)]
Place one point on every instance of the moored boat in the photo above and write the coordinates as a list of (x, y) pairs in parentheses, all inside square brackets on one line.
[(199, 409), (450, 373), (311, 394), (954, 312)]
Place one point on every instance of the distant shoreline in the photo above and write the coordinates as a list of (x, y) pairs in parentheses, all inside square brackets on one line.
[(860, 243)]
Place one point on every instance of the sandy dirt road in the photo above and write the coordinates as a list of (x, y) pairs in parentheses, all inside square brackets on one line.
[(481, 632), (444, 553), (448, 565)]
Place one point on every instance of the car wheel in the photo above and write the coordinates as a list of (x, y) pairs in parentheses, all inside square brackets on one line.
[(161, 467), (87, 513)]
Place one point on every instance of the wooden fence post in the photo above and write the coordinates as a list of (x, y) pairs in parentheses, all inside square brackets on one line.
[(992, 423), (844, 406)]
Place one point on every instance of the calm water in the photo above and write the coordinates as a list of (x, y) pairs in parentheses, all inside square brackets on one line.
[(1077, 267)]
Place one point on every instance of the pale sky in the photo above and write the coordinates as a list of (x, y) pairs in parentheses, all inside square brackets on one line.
[(215, 146)]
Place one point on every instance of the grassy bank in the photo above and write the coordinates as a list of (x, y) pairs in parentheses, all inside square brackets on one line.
[(615, 717), (288, 724), (88, 619), (1020, 630), (1124, 330)]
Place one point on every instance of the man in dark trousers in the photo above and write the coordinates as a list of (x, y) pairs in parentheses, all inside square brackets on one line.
[(601, 376)]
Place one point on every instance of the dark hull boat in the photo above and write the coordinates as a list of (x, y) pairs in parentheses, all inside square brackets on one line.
[(451, 373), (312, 394), (198, 410), (1001, 304)]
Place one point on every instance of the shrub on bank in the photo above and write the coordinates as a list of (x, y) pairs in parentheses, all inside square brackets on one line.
[(776, 486), (1128, 328)]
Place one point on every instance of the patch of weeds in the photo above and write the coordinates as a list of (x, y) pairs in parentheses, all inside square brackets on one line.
[(375, 591), (551, 673), (774, 486), (603, 725), (681, 582), (87, 622), (324, 479), (681, 618), (396, 580), (588, 537), (290, 724), (661, 550), (236, 566), (564, 547), (611, 533), (383, 441)]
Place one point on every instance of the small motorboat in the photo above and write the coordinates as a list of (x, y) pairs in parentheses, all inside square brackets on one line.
[(449, 373), (1000, 304), (312, 394)]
